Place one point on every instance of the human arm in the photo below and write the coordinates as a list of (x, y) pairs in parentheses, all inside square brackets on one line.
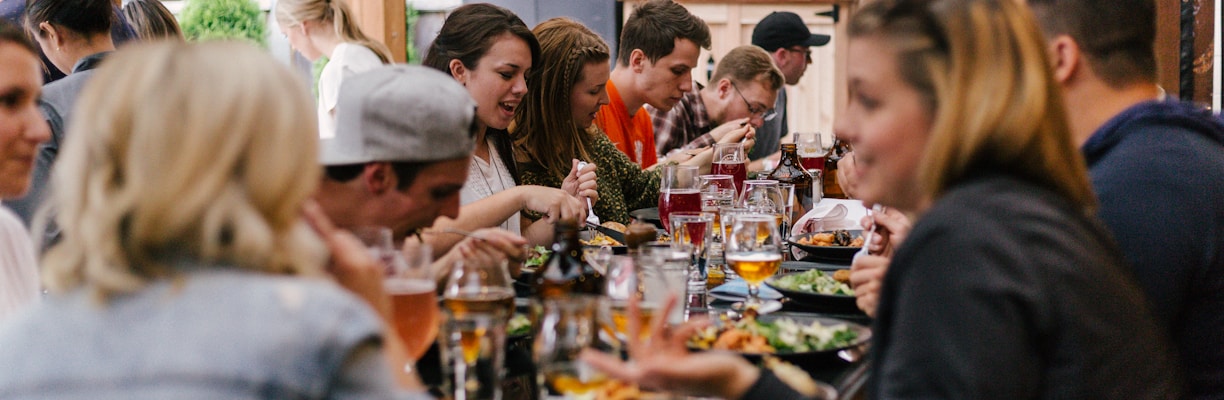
[(490, 211), (486, 246)]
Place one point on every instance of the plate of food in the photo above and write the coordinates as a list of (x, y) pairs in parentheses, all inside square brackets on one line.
[(816, 287), (793, 337), (839, 245)]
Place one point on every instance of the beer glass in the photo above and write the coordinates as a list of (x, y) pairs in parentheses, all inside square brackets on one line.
[(730, 159), (754, 252), (414, 306), (678, 191), (811, 150), (478, 302), (567, 326)]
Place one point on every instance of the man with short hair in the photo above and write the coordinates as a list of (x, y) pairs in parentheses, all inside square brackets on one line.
[(1157, 166), (745, 83), (404, 138), (659, 46), (788, 40)]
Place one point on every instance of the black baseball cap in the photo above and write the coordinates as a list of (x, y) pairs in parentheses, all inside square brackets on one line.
[(785, 29)]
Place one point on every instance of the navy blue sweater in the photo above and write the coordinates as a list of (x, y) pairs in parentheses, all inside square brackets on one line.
[(1158, 171)]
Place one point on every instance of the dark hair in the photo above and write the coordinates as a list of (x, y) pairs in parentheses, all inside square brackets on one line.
[(151, 20), (468, 34), (84, 17), (654, 27), (10, 33), (405, 172), (1116, 36)]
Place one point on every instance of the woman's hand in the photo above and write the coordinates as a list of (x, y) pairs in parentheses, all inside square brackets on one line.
[(581, 183), (867, 271)]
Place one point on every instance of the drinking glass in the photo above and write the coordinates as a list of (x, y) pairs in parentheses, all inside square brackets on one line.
[(663, 269), (567, 326), (377, 240), (716, 191), (678, 191), (811, 150), (623, 285), (477, 301), (754, 252), (414, 306), (730, 159), (787, 207), (694, 229), (761, 196)]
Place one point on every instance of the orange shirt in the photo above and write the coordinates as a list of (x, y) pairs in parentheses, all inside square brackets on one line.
[(634, 135)]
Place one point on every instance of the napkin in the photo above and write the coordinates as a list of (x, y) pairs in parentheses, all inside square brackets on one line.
[(738, 291), (854, 214)]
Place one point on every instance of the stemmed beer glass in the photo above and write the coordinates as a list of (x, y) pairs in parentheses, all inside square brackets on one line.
[(754, 252), (478, 302)]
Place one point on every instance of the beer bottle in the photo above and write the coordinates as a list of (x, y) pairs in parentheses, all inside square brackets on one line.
[(790, 170), (566, 271)]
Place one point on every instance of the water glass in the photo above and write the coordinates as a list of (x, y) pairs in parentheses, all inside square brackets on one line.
[(664, 268), (694, 229)]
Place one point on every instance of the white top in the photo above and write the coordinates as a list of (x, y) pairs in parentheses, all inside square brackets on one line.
[(486, 178), (18, 268), (346, 60)]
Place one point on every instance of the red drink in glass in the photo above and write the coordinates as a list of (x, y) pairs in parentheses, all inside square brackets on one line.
[(811, 163), (678, 200), (737, 170)]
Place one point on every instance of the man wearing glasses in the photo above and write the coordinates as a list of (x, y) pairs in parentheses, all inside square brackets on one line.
[(744, 86), (789, 41)]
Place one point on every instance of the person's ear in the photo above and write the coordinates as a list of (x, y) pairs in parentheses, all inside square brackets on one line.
[(1065, 58), (724, 89), (779, 56), (458, 71), (637, 60), (378, 177), (52, 34)]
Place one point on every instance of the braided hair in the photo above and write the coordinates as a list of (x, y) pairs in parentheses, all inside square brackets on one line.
[(544, 130)]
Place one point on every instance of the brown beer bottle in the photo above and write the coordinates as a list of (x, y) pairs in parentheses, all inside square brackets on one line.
[(566, 271), (790, 170)]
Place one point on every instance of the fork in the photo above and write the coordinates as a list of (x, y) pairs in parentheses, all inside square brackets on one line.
[(591, 217), (871, 232)]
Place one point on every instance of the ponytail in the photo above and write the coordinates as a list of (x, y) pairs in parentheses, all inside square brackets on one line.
[(348, 31)]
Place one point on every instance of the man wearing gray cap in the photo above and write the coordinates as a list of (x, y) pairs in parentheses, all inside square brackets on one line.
[(788, 40), (400, 155)]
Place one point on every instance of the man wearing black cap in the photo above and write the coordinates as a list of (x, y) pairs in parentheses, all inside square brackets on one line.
[(784, 35)]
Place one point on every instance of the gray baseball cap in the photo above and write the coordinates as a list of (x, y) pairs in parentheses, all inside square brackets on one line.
[(400, 113)]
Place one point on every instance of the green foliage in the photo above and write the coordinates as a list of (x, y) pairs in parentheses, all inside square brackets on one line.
[(224, 19), (410, 20)]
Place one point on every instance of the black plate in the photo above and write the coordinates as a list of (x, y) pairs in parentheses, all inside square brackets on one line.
[(650, 215), (814, 358), (841, 254), (586, 235), (814, 299)]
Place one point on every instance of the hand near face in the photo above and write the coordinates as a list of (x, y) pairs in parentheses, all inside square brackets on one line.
[(351, 264), (847, 175), (489, 246), (721, 131), (582, 183)]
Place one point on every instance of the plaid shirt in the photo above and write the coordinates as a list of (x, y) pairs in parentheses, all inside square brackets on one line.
[(685, 127)]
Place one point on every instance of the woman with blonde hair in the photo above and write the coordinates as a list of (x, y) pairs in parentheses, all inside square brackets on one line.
[(954, 117), (152, 20), (317, 28), (185, 255)]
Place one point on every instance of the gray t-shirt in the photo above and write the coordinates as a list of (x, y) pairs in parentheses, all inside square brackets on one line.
[(213, 333)]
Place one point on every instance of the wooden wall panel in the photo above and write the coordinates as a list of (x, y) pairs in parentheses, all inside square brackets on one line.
[(383, 20)]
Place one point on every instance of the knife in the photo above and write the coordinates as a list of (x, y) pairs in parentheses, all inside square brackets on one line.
[(612, 233)]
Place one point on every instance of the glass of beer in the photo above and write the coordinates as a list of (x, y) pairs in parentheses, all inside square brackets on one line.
[(754, 252), (567, 326), (413, 303), (478, 302), (731, 159)]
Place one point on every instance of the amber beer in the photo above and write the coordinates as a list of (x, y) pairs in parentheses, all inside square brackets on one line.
[(620, 318), (497, 302), (566, 383), (415, 310), (755, 267)]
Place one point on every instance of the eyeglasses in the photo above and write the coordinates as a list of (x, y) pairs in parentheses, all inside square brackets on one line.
[(764, 112), (806, 51)]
